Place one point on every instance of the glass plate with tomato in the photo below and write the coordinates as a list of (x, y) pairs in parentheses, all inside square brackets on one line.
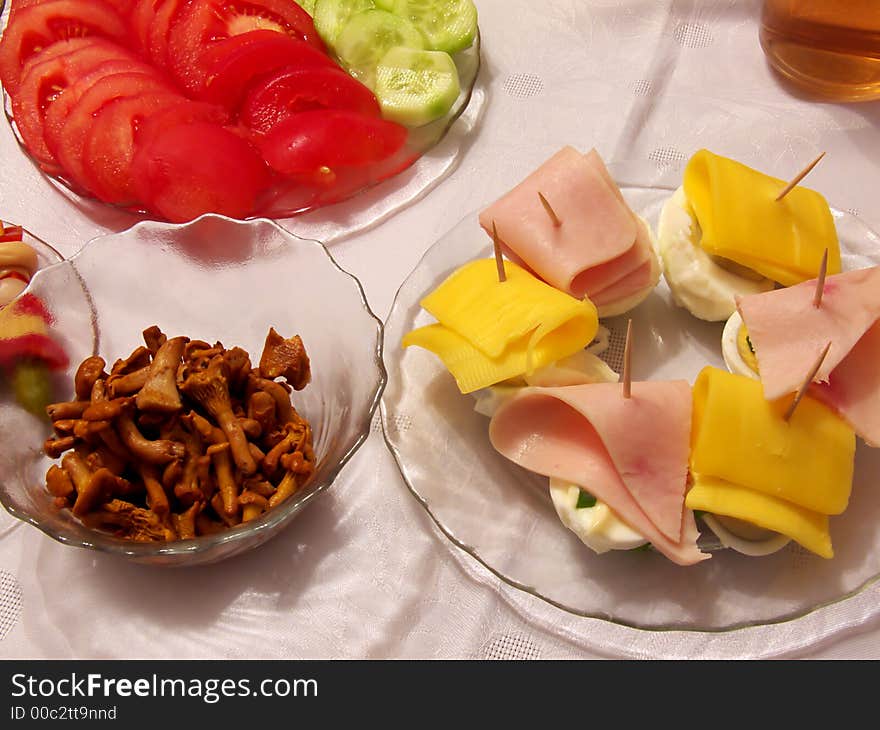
[(172, 108)]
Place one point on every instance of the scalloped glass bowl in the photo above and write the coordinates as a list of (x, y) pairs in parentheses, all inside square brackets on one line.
[(212, 279), (417, 171), (502, 516)]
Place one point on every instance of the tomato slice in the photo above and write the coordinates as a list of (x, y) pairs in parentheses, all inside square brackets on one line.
[(166, 13), (45, 77), (231, 64), (191, 169), (58, 112), (123, 123), (36, 26), (79, 121), (204, 22), (292, 90), (313, 145)]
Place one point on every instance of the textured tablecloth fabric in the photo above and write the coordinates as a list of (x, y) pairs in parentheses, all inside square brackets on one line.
[(363, 573)]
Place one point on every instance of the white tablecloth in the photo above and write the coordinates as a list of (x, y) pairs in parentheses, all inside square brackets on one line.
[(363, 573)]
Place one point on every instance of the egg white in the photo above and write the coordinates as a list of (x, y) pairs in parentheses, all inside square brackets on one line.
[(697, 283)]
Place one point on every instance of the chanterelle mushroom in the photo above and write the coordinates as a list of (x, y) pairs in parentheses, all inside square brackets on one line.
[(160, 391), (210, 388), (285, 359)]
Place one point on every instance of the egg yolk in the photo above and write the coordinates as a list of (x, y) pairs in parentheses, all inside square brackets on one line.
[(744, 347)]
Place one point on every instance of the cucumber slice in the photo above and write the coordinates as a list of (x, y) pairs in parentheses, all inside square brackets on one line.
[(368, 36), (385, 5), (415, 87), (331, 15), (308, 6), (448, 25)]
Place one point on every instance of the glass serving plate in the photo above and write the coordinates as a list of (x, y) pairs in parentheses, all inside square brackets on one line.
[(211, 279), (502, 515), (430, 154)]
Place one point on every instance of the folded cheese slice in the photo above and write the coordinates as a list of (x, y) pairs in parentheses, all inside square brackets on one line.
[(630, 454), (804, 526), (601, 244), (788, 332), (741, 220), (741, 438), (489, 331)]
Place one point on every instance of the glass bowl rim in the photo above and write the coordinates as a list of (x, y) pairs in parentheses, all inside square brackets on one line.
[(268, 521), (533, 591)]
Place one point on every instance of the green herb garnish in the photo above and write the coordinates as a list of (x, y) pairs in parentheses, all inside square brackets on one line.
[(585, 500)]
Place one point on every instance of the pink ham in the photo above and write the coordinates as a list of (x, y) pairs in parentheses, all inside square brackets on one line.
[(600, 243), (854, 387), (789, 333), (631, 454)]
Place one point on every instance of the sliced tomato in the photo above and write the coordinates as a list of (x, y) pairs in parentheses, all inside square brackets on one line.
[(200, 167), (204, 22), (37, 26), (312, 146), (109, 144), (45, 77), (166, 13), (140, 21), (57, 114), (81, 117), (124, 123), (292, 90), (231, 64)]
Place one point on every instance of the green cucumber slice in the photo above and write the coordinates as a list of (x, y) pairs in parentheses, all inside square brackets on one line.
[(331, 15), (447, 25), (368, 36), (308, 6), (414, 87)]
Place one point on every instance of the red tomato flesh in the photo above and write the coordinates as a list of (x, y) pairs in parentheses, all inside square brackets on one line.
[(73, 135), (109, 144), (59, 111), (312, 145), (205, 22), (191, 169), (44, 79), (231, 64), (293, 90), (37, 26)]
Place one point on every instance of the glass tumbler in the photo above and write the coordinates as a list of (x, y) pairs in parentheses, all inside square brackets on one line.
[(827, 48)]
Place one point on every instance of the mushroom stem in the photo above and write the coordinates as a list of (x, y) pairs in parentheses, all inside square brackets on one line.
[(159, 452), (160, 391)]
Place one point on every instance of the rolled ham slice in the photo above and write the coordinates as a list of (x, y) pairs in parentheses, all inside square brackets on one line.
[(788, 334), (601, 246), (631, 454), (853, 389)]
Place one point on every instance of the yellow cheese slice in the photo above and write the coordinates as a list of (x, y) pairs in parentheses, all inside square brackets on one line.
[(741, 220), (490, 331), (804, 526), (13, 324), (739, 437)]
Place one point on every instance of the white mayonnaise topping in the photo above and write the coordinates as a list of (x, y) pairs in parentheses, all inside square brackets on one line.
[(597, 527), (697, 283)]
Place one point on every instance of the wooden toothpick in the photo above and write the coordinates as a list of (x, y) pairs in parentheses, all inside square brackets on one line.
[(820, 281), (550, 211), (797, 178), (627, 361), (499, 259), (809, 379)]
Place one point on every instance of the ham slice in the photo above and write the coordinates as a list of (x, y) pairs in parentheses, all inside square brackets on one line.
[(853, 389), (788, 332), (601, 244), (631, 454)]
